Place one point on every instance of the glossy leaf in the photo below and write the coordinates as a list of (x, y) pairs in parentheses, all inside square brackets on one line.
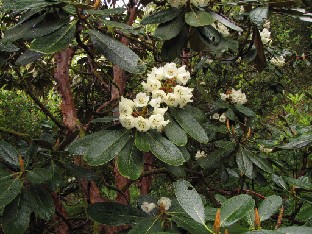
[(165, 150), (190, 200), (235, 209), (269, 206), (16, 216), (39, 175), (161, 16), (113, 213), (55, 41), (99, 148), (10, 188), (142, 141), (27, 57), (298, 142), (175, 133), (187, 223), (244, 163), (116, 52), (40, 202), (305, 213), (107, 12), (300, 182), (295, 230), (279, 181), (8, 47), (130, 161), (146, 226), (245, 110), (8, 154), (169, 29), (26, 4), (199, 18), (258, 15), (190, 124), (226, 22)]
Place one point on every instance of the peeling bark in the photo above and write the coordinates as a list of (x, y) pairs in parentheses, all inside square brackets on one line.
[(61, 76)]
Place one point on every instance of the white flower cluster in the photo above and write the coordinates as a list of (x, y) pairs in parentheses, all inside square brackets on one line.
[(221, 29), (142, 113), (163, 203), (71, 180), (234, 96), (163, 88), (221, 118), (278, 61), (180, 3), (167, 83), (200, 154)]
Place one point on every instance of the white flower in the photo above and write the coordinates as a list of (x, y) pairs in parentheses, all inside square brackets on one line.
[(224, 96), (141, 100), (147, 207), (164, 202), (160, 111), (278, 61), (158, 122), (170, 70), (238, 97), (127, 121), (156, 73), (222, 118), (151, 84), (215, 116), (265, 35), (172, 100), (159, 94), (142, 124), (155, 102), (200, 154), (176, 3), (183, 95), (182, 78), (125, 106)]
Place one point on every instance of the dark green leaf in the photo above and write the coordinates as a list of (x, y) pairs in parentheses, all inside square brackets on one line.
[(297, 143), (161, 16), (27, 57), (8, 154), (55, 41), (39, 175), (20, 30), (172, 48), (80, 172), (16, 216), (26, 4), (101, 147), (115, 24), (295, 230), (305, 213), (169, 29), (142, 141), (269, 206), (116, 52), (130, 161), (177, 171), (226, 22), (301, 183), (190, 200), (230, 114), (258, 15), (235, 209), (187, 223), (106, 119), (185, 153), (10, 188), (175, 133), (279, 181), (245, 110), (112, 213), (198, 114), (244, 163), (225, 44), (210, 34), (199, 18), (165, 150), (190, 124), (8, 47), (107, 12), (147, 226), (40, 202)]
